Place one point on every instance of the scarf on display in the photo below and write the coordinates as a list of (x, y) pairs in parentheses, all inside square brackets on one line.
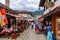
[(3, 18)]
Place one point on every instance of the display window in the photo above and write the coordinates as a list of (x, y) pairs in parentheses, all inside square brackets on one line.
[(58, 29)]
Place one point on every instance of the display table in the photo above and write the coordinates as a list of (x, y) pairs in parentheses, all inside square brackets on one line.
[(7, 30)]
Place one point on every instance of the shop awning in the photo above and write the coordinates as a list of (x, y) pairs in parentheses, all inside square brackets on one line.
[(18, 17), (12, 15), (57, 9)]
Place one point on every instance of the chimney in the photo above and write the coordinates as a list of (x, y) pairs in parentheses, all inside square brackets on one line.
[(7, 3)]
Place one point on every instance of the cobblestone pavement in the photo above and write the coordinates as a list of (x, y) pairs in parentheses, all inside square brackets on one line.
[(28, 34)]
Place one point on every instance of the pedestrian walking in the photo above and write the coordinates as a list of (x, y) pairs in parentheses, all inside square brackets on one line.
[(36, 27), (50, 34), (32, 24), (39, 27)]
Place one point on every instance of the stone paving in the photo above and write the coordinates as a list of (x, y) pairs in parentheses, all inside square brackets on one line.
[(28, 34)]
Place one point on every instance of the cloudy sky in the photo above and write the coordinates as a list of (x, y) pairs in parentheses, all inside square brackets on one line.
[(2, 1), (30, 5)]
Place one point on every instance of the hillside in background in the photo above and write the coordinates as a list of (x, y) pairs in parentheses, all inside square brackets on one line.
[(37, 12)]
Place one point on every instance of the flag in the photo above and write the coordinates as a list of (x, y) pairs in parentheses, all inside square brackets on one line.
[(41, 19)]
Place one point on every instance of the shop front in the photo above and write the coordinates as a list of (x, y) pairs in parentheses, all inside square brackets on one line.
[(56, 24), (53, 18), (11, 20)]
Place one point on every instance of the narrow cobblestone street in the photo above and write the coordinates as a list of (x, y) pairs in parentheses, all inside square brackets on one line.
[(29, 34)]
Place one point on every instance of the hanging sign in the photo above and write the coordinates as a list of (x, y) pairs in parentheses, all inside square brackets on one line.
[(41, 19), (49, 4), (3, 18)]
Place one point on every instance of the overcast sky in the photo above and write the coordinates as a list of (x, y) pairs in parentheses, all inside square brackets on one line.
[(30, 5), (2, 1)]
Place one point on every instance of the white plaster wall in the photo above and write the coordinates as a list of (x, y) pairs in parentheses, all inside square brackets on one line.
[(26, 15)]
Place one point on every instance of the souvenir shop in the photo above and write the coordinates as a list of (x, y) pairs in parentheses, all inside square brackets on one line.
[(11, 20), (53, 18), (8, 19)]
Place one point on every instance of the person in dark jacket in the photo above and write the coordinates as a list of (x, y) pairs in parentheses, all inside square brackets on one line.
[(50, 34), (53, 37)]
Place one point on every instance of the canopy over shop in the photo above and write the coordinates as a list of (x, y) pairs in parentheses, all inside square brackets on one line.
[(53, 18)]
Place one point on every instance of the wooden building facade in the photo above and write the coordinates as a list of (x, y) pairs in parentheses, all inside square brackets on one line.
[(53, 18)]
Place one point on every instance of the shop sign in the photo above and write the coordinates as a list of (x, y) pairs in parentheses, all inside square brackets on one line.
[(3, 18), (41, 19), (49, 4), (58, 28)]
